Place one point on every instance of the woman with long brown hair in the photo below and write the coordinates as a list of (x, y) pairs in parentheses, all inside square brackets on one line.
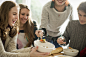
[(9, 32), (27, 28)]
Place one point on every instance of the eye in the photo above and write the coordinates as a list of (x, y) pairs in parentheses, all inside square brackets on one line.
[(84, 15), (27, 14), (14, 14), (80, 15), (22, 14)]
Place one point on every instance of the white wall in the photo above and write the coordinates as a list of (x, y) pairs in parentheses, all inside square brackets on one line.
[(1, 1), (75, 4)]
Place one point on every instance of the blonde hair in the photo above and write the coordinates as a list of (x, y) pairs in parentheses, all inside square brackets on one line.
[(28, 27), (4, 11)]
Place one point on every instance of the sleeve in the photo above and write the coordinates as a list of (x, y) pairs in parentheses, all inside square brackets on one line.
[(35, 28), (71, 14), (44, 18), (11, 50), (66, 33), (44, 30)]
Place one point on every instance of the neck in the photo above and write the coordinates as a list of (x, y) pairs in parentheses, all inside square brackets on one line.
[(21, 27), (60, 8)]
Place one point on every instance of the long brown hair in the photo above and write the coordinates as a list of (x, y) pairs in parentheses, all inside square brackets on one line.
[(28, 27), (4, 26)]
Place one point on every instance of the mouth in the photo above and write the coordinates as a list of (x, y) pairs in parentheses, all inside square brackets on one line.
[(81, 21), (24, 20), (60, 1), (14, 21)]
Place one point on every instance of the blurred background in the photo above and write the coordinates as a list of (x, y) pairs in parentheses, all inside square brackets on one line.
[(36, 6)]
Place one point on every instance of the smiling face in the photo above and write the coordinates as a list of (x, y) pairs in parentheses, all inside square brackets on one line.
[(60, 2), (24, 15), (82, 17), (13, 16)]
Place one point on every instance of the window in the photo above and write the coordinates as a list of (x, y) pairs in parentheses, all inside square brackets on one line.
[(35, 7)]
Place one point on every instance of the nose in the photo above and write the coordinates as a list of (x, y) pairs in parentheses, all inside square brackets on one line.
[(17, 17), (25, 17), (82, 17)]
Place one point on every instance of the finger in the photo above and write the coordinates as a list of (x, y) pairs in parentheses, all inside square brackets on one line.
[(64, 42), (43, 54), (35, 48), (36, 32)]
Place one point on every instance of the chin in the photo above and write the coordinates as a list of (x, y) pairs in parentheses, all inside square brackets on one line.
[(82, 23), (12, 25)]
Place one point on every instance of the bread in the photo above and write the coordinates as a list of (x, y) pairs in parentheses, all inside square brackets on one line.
[(57, 50)]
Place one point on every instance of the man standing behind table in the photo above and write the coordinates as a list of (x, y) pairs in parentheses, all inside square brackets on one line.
[(54, 14)]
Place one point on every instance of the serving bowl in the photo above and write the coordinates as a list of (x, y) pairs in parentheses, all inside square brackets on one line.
[(71, 52), (44, 47)]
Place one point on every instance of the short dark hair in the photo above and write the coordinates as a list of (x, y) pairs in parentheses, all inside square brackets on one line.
[(82, 7)]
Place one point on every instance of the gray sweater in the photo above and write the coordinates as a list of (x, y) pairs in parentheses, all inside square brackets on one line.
[(52, 19), (76, 33)]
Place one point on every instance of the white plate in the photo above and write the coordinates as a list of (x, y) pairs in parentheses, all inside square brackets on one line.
[(62, 56)]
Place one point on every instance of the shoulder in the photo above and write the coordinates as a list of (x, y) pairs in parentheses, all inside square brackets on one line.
[(48, 4), (70, 7), (74, 22), (34, 22)]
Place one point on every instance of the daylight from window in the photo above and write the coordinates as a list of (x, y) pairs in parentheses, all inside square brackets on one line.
[(36, 6)]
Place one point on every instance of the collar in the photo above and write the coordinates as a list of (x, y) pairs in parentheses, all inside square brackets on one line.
[(52, 6)]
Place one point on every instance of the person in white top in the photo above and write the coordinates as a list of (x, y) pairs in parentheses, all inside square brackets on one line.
[(27, 28)]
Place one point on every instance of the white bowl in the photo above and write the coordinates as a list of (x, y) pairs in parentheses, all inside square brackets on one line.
[(44, 47), (71, 52)]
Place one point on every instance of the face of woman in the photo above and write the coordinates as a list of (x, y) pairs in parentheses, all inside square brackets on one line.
[(60, 2), (24, 15), (82, 17), (13, 16)]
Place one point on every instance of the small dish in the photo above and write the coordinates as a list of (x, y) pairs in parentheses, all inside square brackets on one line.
[(71, 52)]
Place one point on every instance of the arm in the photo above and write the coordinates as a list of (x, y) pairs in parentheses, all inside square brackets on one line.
[(67, 33), (44, 19), (12, 46), (35, 28), (3, 53), (71, 14)]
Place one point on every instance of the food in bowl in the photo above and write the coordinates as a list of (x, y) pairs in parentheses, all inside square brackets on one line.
[(71, 52), (44, 47), (42, 40)]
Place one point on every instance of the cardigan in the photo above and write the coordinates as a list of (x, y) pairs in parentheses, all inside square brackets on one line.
[(10, 48), (76, 33), (52, 19)]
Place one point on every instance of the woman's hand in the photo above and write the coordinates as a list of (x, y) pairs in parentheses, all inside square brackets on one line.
[(39, 33), (34, 53), (61, 41)]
